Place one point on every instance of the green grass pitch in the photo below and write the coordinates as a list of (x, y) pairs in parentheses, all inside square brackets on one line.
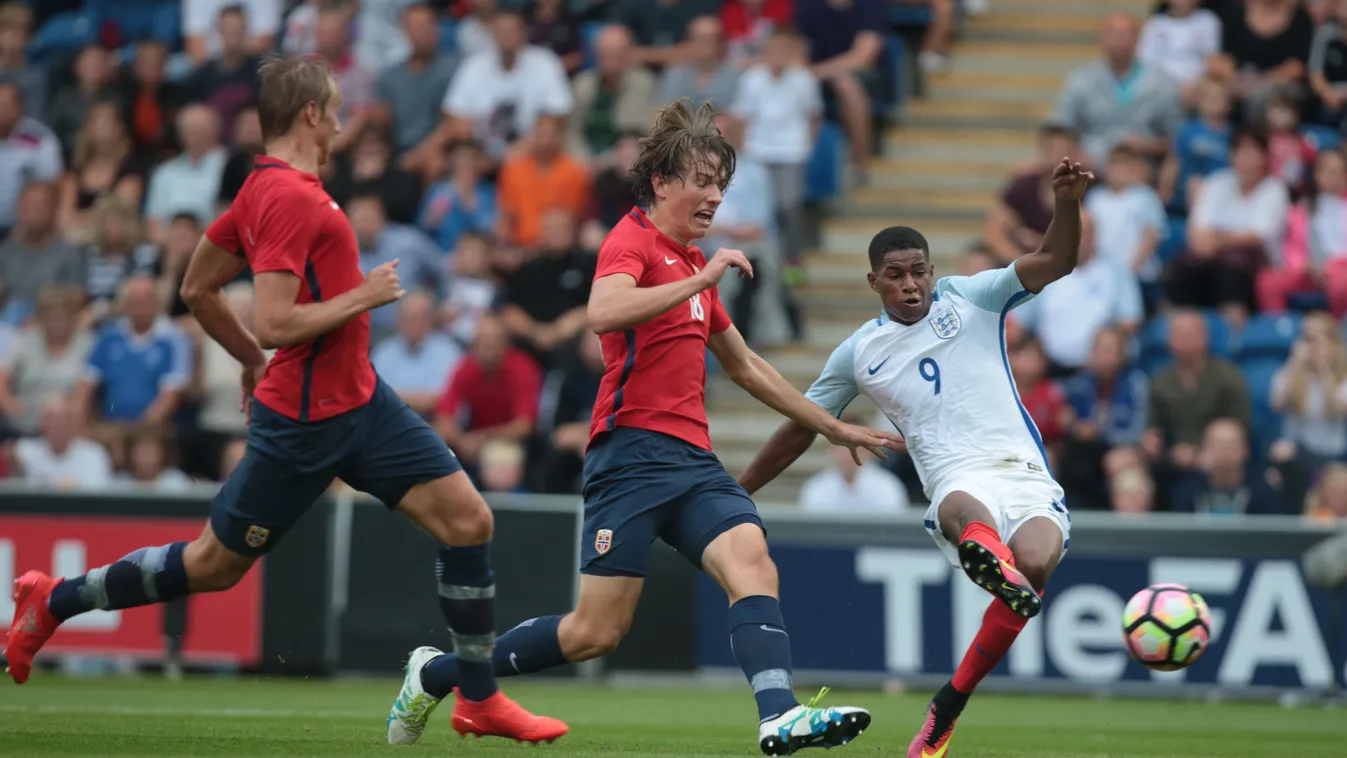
[(108, 718)]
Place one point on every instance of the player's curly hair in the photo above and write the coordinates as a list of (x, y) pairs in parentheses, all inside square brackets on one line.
[(685, 139)]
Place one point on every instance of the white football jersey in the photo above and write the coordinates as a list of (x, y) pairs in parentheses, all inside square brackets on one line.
[(944, 381)]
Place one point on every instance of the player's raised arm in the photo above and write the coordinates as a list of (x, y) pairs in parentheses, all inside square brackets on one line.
[(1060, 250), (616, 303), (211, 268), (750, 371)]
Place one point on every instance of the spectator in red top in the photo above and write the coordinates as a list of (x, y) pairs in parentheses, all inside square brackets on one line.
[(748, 24), (492, 395), (1042, 397)]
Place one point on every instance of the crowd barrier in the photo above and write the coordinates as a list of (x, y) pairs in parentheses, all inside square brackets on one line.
[(866, 598)]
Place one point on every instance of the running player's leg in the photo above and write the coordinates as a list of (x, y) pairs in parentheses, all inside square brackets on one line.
[(279, 477), (718, 529), (401, 461), (627, 486)]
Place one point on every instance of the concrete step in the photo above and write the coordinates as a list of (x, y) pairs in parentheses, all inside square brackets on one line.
[(1029, 36), (962, 199), (970, 94), (844, 305), (881, 180), (1096, 9), (1053, 23), (980, 110), (963, 137), (900, 148), (847, 237), (1038, 85)]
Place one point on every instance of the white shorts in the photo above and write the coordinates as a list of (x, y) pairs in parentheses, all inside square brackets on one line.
[(1012, 494)]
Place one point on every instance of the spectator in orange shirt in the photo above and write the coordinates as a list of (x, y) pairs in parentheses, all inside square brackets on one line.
[(541, 178)]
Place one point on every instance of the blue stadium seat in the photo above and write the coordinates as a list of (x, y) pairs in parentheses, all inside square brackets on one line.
[(448, 41), (1305, 302), (1174, 241), (1323, 137), (1153, 342), (63, 32), (910, 15), (823, 175), (1268, 337), (1267, 423), (588, 34)]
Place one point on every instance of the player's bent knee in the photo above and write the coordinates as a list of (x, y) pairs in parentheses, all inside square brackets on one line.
[(451, 510), (739, 562), (212, 567), (588, 637)]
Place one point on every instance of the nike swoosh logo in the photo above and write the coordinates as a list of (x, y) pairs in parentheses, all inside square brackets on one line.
[(671, 261), (766, 628), (937, 754), (875, 369), (514, 661)]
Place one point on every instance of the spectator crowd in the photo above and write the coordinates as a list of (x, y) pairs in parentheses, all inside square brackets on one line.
[(1194, 361), (485, 144)]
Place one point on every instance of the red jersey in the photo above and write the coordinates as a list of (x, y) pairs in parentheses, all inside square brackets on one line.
[(655, 373), (283, 220)]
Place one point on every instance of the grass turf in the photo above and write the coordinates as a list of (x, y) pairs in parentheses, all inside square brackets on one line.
[(51, 716)]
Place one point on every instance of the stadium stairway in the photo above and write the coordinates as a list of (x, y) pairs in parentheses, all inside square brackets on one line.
[(938, 172)]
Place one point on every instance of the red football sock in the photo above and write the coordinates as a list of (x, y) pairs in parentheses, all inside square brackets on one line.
[(987, 535), (1000, 627)]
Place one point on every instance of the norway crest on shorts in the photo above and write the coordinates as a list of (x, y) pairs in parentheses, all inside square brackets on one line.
[(256, 536), (946, 323), (603, 541)]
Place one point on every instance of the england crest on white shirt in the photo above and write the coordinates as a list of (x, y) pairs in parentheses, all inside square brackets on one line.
[(946, 323)]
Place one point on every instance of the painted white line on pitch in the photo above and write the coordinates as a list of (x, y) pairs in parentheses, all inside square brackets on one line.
[(242, 713)]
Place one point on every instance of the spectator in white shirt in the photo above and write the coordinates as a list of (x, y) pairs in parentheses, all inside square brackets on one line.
[(1236, 226), (1179, 41), (1129, 217), (848, 486), (61, 458), (497, 95), (29, 152), (780, 103), (1068, 314), (189, 183), (203, 37)]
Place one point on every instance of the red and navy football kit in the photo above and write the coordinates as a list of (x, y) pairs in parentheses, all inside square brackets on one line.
[(649, 471), (320, 412)]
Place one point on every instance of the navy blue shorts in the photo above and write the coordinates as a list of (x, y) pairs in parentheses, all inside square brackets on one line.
[(383, 448), (640, 485)]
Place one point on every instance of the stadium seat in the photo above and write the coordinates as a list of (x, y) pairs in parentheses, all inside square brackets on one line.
[(588, 34), (823, 175), (64, 32), (1267, 423), (448, 42), (139, 19), (910, 15), (1176, 237), (1153, 342), (1305, 302), (1323, 137), (1267, 337)]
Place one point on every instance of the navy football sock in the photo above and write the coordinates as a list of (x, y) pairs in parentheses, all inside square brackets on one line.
[(530, 647), (762, 649), (147, 576), (468, 601)]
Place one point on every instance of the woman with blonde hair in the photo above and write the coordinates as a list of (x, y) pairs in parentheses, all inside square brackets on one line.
[(1310, 391), (103, 163), (1328, 500)]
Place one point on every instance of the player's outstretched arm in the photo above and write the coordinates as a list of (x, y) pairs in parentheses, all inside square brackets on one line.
[(210, 269), (748, 370), (1060, 250), (282, 322), (616, 303)]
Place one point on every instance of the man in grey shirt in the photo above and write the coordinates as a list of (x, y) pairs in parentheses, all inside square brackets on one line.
[(708, 74), (33, 256), (410, 93), (1118, 100)]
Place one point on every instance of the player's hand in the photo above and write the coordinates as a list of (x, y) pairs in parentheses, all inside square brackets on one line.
[(383, 285), (251, 376), (722, 260), (1070, 180), (856, 437)]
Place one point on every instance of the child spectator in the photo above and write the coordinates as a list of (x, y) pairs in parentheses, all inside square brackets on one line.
[(1201, 148), (1041, 396), (1128, 214), (1178, 40), (1314, 257), (1290, 154), (471, 291)]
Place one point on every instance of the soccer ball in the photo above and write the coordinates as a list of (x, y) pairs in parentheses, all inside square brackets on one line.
[(1166, 627)]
